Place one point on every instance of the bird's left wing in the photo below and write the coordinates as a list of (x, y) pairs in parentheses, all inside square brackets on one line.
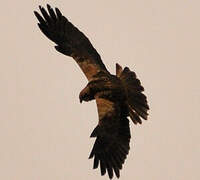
[(112, 138), (70, 41)]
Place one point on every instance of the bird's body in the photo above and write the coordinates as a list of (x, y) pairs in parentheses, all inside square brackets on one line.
[(117, 96)]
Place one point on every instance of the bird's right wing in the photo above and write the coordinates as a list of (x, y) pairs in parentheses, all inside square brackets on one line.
[(70, 41), (112, 138)]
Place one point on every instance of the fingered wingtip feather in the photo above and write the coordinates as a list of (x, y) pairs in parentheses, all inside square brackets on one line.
[(59, 14), (48, 6), (52, 13), (46, 15), (102, 166), (96, 162), (39, 18), (40, 7), (36, 14), (109, 165)]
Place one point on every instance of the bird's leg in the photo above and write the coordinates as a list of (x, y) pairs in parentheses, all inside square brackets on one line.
[(86, 95)]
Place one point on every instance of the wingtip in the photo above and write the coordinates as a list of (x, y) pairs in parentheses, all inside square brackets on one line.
[(59, 14), (48, 6)]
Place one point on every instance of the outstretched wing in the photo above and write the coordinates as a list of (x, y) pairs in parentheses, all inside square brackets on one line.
[(112, 138), (70, 41)]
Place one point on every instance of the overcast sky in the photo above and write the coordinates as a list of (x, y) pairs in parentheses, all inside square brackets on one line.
[(44, 130)]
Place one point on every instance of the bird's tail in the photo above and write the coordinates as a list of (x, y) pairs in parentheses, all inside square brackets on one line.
[(111, 151), (136, 100)]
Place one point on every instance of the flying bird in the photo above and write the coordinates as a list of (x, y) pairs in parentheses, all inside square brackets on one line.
[(117, 96)]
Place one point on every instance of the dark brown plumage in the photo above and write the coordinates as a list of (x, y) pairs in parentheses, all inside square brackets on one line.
[(117, 96)]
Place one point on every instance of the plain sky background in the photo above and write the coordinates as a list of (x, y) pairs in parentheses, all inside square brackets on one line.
[(44, 130)]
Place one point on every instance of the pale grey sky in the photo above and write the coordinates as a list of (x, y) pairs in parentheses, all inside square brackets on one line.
[(44, 130)]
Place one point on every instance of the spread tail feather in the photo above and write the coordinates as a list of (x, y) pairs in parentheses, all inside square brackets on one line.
[(136, 100)]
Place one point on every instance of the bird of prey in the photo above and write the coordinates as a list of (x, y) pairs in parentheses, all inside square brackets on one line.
[(117, 96)]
